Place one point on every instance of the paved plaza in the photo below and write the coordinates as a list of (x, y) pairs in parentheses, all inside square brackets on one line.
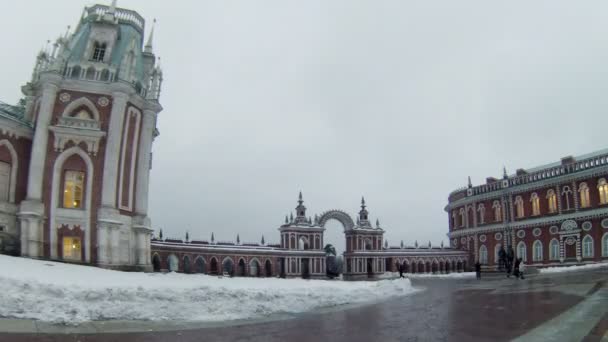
[(558, 307)]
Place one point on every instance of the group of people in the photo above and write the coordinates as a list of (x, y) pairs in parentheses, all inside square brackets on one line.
[(506, 262)]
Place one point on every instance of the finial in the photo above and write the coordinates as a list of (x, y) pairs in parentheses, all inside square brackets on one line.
[(238, 239), (504, 172), (286, 220), (416, 243), (377, 223), (187, 236), (386, 244), (263, 242), (291, 217), (441, 244), (429, 243), (212, 238), (362, 202), (67, 32), (112, 7), (160, 234), (470, 184), (148, 47), (402, 244)]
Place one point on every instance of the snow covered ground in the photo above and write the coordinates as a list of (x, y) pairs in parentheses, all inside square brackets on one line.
[(572, 268), (392, 275), (63, 293)]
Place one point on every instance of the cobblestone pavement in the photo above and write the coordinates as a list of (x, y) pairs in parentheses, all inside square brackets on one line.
[(561, 307)]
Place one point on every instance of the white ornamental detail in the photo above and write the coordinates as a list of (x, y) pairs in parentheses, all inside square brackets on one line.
[(65, 97), (605, 223), (536, 232), (103, 101), (587, 226), (482, 238), (569, 225), (498, 236), (521, 234), (570, 241), (553, 230)]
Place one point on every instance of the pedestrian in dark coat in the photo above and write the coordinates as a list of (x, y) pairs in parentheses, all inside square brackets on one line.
[(401, 271), (502, 258), (478, 270), (516, 268), (510, 258)]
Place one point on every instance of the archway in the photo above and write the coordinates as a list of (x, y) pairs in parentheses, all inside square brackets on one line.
[(406, 267), (199, 265), (335, 264), (173, 263), (156, 263), (370, 267), (459, 266), (254, 268), (434, 267), (214, 268), (187, 267), (241, 272), (447, 266), (228, 266), (427, 267), (420, 266), (268, 268)]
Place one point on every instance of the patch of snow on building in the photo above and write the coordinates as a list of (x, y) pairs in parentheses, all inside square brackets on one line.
[(63, 293)]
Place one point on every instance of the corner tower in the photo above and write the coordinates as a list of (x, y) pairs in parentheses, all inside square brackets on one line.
[(93, 102)]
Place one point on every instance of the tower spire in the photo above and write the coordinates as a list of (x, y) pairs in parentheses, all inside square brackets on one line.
[(470, 184), (300, 210), (148, 47), (504, 172), (112, 9)]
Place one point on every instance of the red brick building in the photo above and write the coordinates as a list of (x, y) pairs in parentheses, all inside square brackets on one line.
[(551, 215)]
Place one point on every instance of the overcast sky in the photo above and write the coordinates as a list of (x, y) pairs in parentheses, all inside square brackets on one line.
[(398, 101)]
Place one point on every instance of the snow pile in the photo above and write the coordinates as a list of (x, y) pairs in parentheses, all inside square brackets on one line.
[(572, 268), (63, 293), (462, 275)]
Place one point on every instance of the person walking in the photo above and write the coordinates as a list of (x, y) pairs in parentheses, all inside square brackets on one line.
[(522, 267), (478, 270), (502, 259), (401, 271), (510, 257), (516, 268)]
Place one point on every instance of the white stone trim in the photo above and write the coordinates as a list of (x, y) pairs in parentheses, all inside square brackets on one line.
[(14, 167), (55, 200), (131, 112)]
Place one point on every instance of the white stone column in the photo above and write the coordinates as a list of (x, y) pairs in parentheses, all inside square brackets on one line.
[(143, 162), (39, 144), (115, 246), (112, 155)]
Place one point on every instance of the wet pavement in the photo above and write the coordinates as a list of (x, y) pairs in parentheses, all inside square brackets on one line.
[(494, 309)]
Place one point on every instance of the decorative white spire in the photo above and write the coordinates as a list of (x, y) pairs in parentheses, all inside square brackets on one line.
[(112, 9), (148, 47)]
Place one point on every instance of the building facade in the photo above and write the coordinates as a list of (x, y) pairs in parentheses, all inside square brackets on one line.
[(75, 154), (301, 251), (550, 215)]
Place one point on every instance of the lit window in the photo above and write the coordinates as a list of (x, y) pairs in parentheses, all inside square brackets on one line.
[(83, 114), (99, 52), (552, 201), (602, 187), (519, 207), (72, 248), (5, 181), (583, 190), (72, 189), (535, 204)]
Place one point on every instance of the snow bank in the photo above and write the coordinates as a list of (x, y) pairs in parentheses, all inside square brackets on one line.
[(572, 268), (63, 293), (393, 275)]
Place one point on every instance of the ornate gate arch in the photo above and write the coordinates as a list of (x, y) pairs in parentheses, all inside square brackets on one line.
[(338, 215)]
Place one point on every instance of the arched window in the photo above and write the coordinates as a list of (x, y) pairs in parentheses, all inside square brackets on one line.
[(554, 250), (5, 181), (583, 191), (519, 207), (73, 186), (481, 210), (537, 251), (99, 52), (567, 197), (199, 265), (90, 75), (483, 255), (187, 266), (521, 251), (552, 200), (605, 245), (587, 247), (302, 243), (496, 251), (254, 268), (497, 211), (602, 187), (228, 266), (462, 217), (535, 204)]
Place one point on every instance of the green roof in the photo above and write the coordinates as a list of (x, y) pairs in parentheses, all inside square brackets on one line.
[(16, 113)]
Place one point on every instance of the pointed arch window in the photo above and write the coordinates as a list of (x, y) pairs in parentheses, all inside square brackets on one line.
[(73, 189), (602, 187), (567, 195), (5, 181), (552, 201), (483, 255), (535, 204), (554, 250), (497, 211), (587, 247), (537, 251), (605, 245), (583, 191), (521, 251), (462, 217), (519, 207), (99, 52), (481, 211)]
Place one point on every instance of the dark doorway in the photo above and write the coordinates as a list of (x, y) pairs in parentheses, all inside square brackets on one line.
[(305, 268), (199, 265), (268, 268), (370, 267), (187, 266), (213, 266), (241, 271), (156, 263)]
